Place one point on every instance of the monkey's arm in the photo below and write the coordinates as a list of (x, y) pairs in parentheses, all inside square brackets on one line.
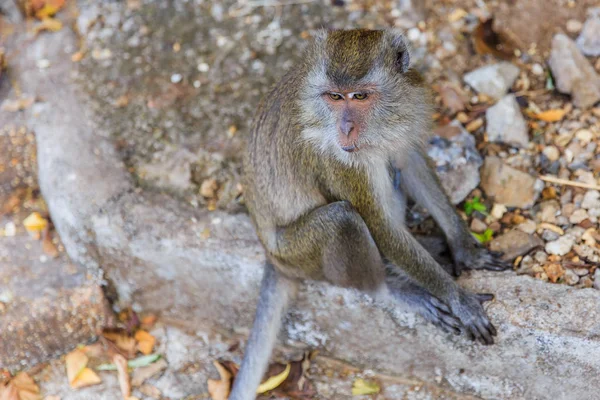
[(420, 181), (399, 246)]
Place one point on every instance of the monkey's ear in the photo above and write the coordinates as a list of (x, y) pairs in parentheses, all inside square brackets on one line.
[(401, 51)]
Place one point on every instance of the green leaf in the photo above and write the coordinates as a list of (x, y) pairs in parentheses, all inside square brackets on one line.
[(142, 361), (485, 236), (475, 205)]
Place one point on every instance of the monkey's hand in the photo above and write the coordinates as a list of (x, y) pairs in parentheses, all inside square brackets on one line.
[(474, 256), (475, 323)]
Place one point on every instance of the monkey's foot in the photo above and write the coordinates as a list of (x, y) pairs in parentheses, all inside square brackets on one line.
[(478, 257), (423, 303), (467, 307)]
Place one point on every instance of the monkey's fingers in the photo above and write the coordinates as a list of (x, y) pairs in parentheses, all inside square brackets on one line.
[(441, 316), (495, 263)]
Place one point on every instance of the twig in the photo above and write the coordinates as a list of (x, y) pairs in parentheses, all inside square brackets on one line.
[(567, 182)]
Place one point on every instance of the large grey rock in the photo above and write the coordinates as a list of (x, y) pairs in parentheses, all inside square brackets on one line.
[(493, 80), (505, 122), (163, 256), (589, 38), (457, 162), (573, 72)]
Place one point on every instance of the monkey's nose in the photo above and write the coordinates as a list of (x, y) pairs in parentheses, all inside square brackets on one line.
[(346, 127)]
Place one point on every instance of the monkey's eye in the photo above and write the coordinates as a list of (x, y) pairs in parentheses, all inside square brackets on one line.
[(335, 96), (359, 96)]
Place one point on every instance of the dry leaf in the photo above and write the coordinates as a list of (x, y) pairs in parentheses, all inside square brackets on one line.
[(123, 375), (554, 271), (487, 41), (21, 387), (77, 56), (123, 341), (20, 104), (35, 223), (48, 8), (145, 341), (148, 321), (87, 377), (219, 390), (360, 386), (274, 381), (78, 375), (143, 373), (551, 115), (48, 246), (48, 24), (76, 361)]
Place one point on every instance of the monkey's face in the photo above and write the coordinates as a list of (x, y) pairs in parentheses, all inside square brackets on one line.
[(350, 110), (359, 100)]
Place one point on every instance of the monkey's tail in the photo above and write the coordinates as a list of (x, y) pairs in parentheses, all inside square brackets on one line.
[(276, 292)]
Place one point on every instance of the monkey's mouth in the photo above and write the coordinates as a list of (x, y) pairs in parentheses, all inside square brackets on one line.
[(351, 148)]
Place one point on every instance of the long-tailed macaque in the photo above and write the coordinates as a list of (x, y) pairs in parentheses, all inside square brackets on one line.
[(319, 184)]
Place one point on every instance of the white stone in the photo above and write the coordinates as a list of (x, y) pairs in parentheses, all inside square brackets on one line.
[(591, 199), (493, 80), (561, 246)]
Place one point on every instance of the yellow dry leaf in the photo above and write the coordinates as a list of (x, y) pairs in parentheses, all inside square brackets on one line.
[(145, 341), (122, 340), (87, 377), (76, 362), (48, 24), (360, 386), (123, 375), (219, 390), (26, 387), (20, 104), (35, 223), (274, 381), (76, 57), (554, 115)]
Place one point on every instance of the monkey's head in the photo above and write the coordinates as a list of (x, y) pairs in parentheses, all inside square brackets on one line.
[(360, 99)]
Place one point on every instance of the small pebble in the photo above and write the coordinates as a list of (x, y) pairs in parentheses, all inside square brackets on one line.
[(549, 236), (561, 246), (537, 69), (585, 136), (43, 63), (176, 78), (478, 226), (498, 211), (540, 257), (552, 153), (203, 67), (527, 226), (581, 271), (574, 26), (597, 279), (578, 216), (571, 278)]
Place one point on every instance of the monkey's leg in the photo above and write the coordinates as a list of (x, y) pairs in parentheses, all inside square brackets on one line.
[(275, 293), (337, 243), (421, 183)]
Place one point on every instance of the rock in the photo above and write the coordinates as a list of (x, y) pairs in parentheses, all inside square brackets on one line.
[(493, 80), (549, 235), (571, 278), (574, 26), (505, 122), (597, 279), (578, 216), (515, 243), (568, 209), (150, 246), (498, 211), (561, 246), (589, 39), (573, 73), (478, 226), (528, 226), (548, 211), (457, 162), (551, 152), (507, 185), (591, 199), (540, 257)]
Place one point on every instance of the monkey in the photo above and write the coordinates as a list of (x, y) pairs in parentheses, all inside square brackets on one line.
[(322, 158)]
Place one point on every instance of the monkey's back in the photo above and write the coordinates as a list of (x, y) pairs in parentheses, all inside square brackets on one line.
[(277, 187)]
